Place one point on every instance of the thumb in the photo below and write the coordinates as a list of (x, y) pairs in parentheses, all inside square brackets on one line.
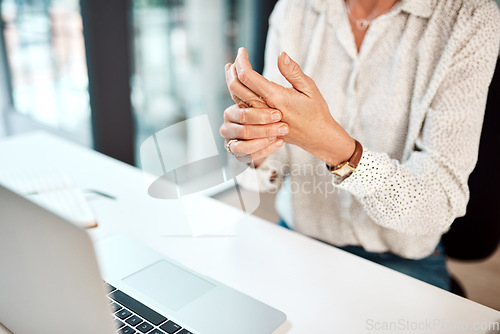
[(294, 75)]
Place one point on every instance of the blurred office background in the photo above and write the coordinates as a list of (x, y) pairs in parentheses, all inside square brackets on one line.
[(108, 74)]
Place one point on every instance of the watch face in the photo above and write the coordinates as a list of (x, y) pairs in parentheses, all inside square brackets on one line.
[(344, 170)]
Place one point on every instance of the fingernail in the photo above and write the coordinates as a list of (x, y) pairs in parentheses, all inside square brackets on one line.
[(228, 65), (272, 138), (276, 116), (278, 142), (283, 130), (286, 59)]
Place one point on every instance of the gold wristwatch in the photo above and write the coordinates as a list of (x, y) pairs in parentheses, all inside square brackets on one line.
[(345, 169)]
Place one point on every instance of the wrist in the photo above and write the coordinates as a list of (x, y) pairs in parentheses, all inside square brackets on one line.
[(335, 147), (341, 153), (346, 168)]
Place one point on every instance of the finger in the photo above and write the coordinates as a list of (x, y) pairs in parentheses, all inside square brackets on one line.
[(245, 94), (239, 115), (238, 101), (268, 150), (294, 75), (239, 92), (241, 147), (229, 79), (237, 131), (253, 80), (233, 97)]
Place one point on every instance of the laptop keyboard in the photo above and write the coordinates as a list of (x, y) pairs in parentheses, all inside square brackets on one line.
[(132, 316)]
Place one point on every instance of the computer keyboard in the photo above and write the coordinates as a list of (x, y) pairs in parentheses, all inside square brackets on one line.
[(132, 316)]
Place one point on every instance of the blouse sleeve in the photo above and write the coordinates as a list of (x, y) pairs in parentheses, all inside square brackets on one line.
[(425, 193)]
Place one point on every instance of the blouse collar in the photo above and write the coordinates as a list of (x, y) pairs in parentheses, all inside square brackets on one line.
[(422, 8)]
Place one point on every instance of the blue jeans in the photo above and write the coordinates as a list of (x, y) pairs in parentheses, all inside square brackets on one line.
[(431, 269)]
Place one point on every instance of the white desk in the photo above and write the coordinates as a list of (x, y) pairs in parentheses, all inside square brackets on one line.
[(320, 288)]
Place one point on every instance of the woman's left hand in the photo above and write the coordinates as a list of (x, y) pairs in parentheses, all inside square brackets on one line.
[(311, 126)]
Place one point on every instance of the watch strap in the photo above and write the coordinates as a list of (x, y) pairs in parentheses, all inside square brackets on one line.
[(353, 161)]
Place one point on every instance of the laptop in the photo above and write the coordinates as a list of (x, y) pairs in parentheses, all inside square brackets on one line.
[(50, 282)]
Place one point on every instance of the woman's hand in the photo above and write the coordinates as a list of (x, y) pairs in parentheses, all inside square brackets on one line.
[(303, 108), (257, 128), (258, 132)]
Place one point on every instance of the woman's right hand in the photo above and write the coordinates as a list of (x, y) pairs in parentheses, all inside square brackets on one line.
[(257, 132)]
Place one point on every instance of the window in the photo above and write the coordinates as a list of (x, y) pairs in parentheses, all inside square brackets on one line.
[(180, 49), (46, 57), (162, 58)]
